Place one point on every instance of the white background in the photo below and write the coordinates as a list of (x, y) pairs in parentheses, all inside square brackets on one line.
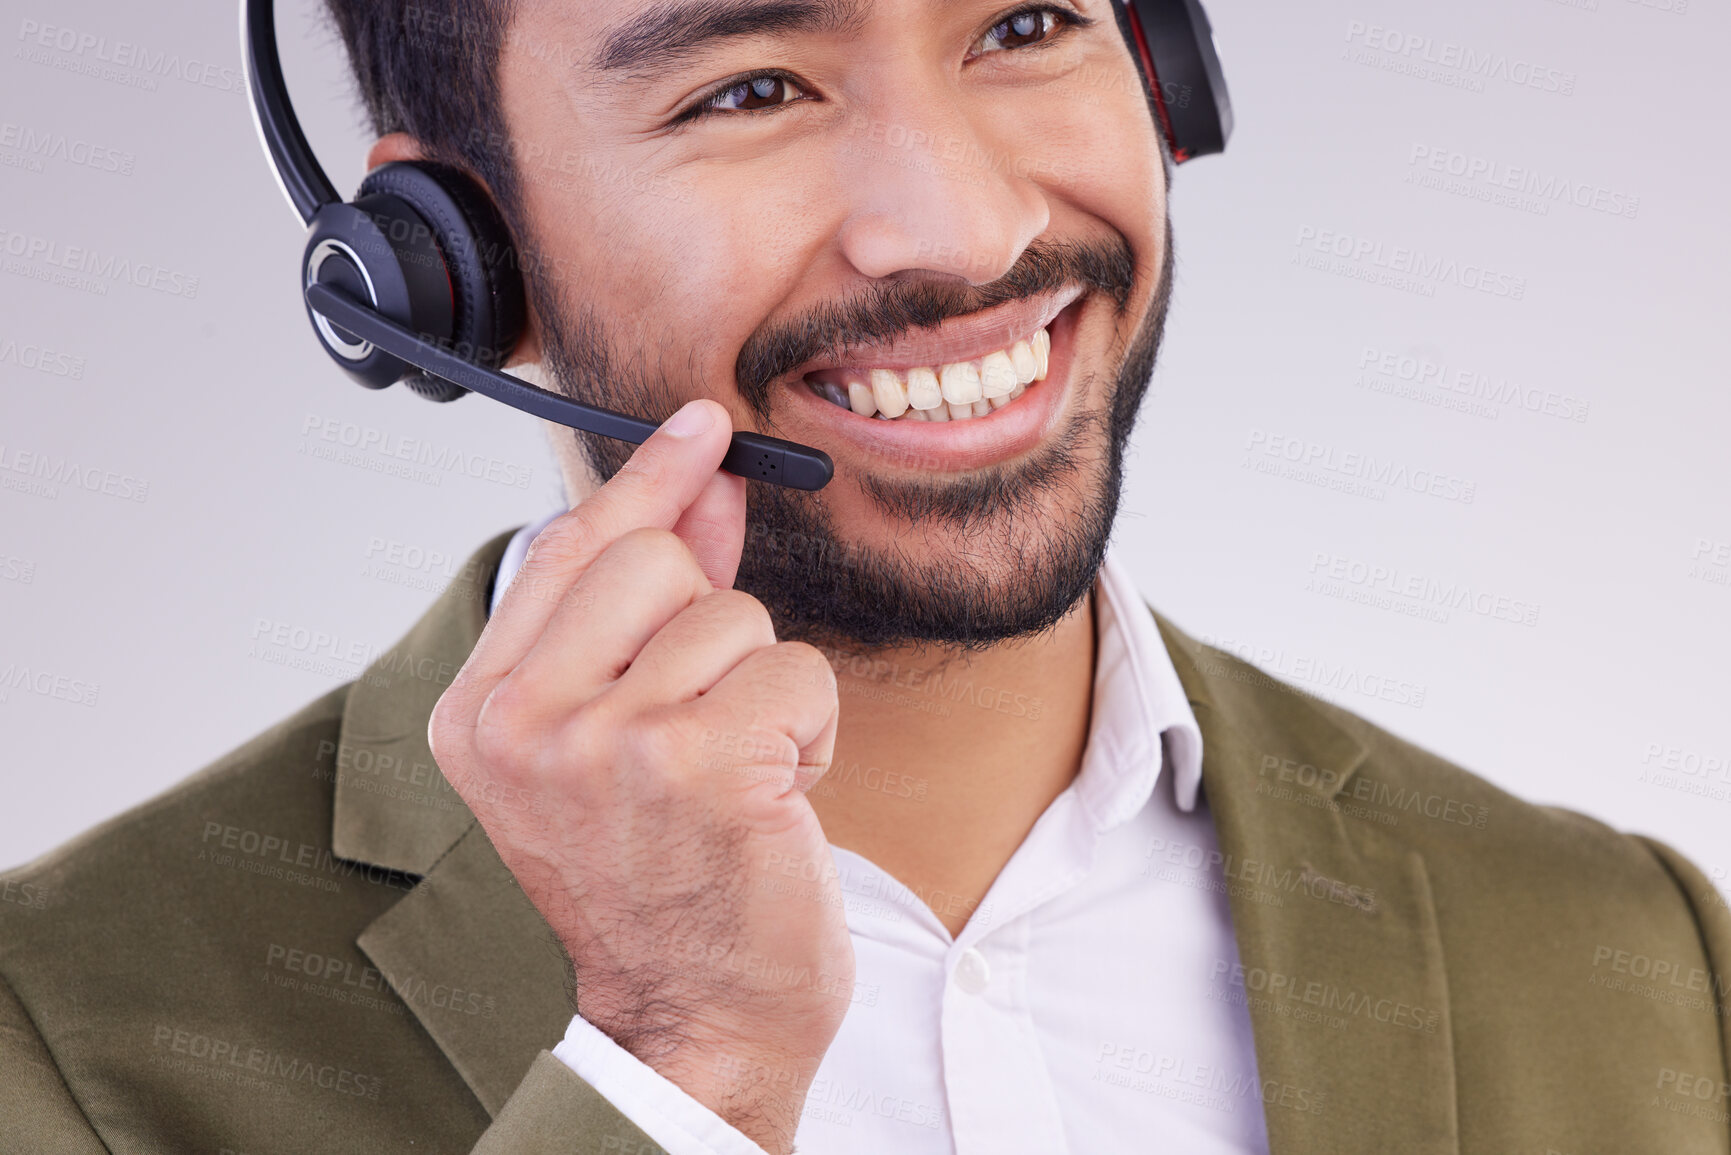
[(151, 610)]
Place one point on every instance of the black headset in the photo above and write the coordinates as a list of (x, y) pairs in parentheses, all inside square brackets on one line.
[(417, 278)]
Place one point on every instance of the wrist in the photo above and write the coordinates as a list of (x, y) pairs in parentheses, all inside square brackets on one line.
[(752, 1082), (759, 1093), (724, 1121), (751, 1067)]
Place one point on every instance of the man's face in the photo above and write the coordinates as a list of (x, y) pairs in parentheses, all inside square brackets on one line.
[(766, 201)]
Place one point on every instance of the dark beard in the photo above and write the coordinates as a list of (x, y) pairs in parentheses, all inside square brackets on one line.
[(1010, 576)]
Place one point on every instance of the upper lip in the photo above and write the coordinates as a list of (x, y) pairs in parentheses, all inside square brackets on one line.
[(965, 338)]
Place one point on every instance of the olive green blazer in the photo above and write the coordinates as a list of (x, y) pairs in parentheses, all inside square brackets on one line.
[(311, 946)]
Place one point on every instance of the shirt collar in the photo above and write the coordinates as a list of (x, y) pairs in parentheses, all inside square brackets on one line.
[(1141, 716)]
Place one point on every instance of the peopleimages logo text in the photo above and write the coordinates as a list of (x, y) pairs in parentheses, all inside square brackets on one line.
[(127, 54), (1544, 187), (1476, 63), (43, 144), (1363, 467), (1422, 267), (85, 261)]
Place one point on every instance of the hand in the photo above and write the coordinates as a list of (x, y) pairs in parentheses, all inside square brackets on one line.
[(637, 745)]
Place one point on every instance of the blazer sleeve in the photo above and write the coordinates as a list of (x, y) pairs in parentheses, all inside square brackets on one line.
[(1713, 917), (549, 1107), (37, 1111)]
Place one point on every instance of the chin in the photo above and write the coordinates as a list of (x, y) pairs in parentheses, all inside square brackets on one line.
[(961, 562)]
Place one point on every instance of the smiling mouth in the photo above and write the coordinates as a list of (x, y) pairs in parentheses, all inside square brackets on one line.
[(954, 391)]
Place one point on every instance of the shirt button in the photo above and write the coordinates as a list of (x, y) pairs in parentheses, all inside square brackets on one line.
[(972, 973)]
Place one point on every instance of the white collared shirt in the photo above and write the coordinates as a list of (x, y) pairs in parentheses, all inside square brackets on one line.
[(1072, 1012)]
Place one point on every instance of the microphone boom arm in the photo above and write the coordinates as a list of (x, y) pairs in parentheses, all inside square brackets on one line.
[(752, 456)]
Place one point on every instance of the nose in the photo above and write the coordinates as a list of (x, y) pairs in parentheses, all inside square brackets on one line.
[(935, 185)]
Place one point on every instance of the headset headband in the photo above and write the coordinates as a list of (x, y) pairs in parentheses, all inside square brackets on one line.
[(298, 173)]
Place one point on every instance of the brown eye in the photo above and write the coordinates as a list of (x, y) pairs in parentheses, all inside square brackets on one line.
[(757, 92), (1019, 31)]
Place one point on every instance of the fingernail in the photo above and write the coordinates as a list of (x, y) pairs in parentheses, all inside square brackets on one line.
[(692, 419)]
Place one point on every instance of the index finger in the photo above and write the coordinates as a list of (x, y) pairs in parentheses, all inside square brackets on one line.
[(653, 489)]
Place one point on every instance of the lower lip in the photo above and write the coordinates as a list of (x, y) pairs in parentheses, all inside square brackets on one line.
[(941, 446)]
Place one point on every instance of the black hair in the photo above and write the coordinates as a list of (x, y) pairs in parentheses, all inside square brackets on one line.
[(430, 68)]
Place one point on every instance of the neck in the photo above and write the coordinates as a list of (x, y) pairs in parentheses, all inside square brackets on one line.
[(943, 762)]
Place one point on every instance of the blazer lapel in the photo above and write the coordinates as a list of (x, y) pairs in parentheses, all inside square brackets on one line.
[(393, 807), (471, 957), (478, 965), (1341, 965)]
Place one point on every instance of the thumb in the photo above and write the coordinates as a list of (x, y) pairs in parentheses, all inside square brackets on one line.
[(713, 528)]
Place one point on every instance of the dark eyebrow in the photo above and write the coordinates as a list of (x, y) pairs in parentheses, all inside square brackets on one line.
[(659, 37)]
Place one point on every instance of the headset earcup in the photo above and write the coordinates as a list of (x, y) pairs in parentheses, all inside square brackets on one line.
[(486, 281), (381, 253), (1172, 43)]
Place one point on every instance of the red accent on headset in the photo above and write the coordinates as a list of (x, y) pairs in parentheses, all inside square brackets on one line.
[(1179, 155), (450, 288)]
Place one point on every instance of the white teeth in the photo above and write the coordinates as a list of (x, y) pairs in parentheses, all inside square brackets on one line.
[(923, 389), (961, 383), (958, 391), (889, 393), (997, 375), (859, 397)]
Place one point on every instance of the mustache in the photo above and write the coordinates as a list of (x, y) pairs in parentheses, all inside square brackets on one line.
[(891, 308)]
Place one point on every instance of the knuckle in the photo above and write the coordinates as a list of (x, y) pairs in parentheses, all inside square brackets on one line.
[(808, 665), (556, 556), (743, 744), (742, 609), (647, 549), (610, 731), (645, 469), (444, 731), (503, 727), (662, 545), (656, 745), (653, 565), (587, 740), (562, 543)]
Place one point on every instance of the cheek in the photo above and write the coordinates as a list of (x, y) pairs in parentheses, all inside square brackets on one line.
[(1110, 168), (710, 260), (664, 273), (696, 277), (1095, 151)]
